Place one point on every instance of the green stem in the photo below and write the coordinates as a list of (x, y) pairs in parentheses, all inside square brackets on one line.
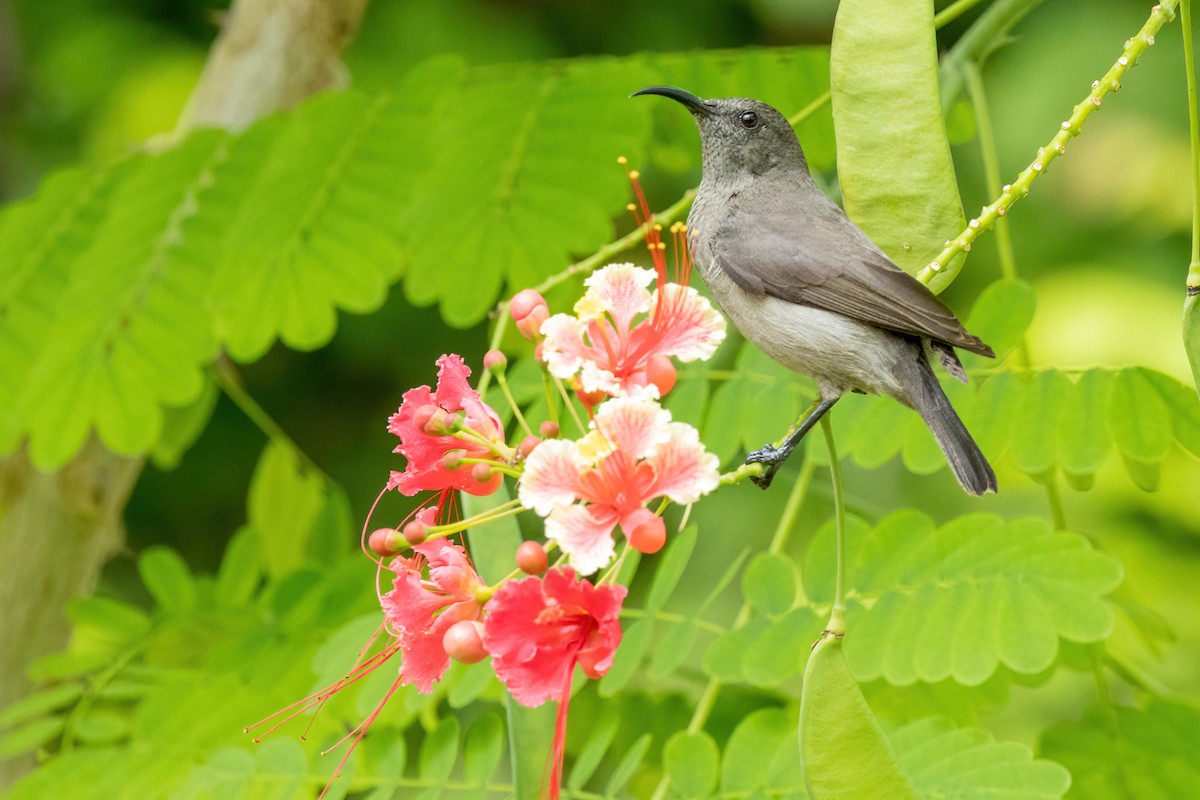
[(1189, 60), (982, 38), (708, 697), (837, 615), (809, 109), (511, 508), (1057, 146), (516, 409), (673, 619), (562, 390), (1054, 497), (991, 175), (227, 378), (953, 12)]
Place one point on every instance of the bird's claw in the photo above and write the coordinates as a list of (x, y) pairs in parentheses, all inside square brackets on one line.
[(771, 458)]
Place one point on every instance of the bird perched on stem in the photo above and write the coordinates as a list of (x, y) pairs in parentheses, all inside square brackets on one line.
[(807, 286)]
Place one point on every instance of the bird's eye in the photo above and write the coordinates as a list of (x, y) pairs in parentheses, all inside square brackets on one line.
[(749, 119)]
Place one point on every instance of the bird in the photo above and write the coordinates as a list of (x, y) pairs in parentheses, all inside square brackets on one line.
[(806, 285)]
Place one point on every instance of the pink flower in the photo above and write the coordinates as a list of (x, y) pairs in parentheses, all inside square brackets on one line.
[(586, 488), (538, 629), (439, 455), (420, 610), (619, 354)]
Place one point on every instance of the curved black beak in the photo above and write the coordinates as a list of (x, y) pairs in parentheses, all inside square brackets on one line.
[(693, 103)]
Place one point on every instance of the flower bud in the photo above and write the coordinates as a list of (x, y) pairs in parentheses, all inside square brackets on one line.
[(645, 530), (415, 532), (661, 372), (437, 423), (531, 558), (453, 459), (464, 641), (549, 430), (527, 445), (529, 311), (385, 542), (425, 415), (494, 360), (482, 472)]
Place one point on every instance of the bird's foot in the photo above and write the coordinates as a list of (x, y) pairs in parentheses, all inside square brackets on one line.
[(772, 458)]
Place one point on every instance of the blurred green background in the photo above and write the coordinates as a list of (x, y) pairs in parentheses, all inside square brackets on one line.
[(1104, 239)]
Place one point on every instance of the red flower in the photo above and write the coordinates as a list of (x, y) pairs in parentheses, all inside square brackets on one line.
[(444, 433), (538, 629), (419, 610)]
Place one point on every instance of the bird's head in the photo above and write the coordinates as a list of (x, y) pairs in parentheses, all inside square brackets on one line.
[(738, 136)]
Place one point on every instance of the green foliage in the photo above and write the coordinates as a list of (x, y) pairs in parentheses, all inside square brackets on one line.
[(1120, 751)]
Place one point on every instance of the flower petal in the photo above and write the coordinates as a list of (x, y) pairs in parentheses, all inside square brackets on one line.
[(450, 568), (621, 290), (689, 327), (635, 427), (563, 349), (684, 470), (584, 533), (551, 476)]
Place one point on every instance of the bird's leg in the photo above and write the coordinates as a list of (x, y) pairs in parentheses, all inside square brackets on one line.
[(772, 456)]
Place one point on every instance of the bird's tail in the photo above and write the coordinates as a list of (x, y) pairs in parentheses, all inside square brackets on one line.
[(973, 471)]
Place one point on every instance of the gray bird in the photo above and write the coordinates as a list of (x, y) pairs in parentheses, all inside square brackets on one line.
[(802, 282)]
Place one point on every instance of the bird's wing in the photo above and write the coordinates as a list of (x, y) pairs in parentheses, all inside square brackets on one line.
[(822, 260)]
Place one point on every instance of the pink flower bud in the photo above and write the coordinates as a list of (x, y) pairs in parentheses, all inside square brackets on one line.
[(482, 472), (529, 311), (527, 445), (453, 459), (438, 422), (661, 372), (531, 558), (415, 531), (645, 530), (464, 641), (549, 430), (425, 415), (494, 360), (385, 542)]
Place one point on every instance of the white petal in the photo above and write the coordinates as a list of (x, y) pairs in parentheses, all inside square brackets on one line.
[(551, 476)]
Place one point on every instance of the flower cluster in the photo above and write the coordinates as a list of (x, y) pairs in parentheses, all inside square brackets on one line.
[(615, 353)]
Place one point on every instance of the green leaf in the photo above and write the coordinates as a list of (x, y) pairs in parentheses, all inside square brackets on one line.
[(842, 748), (168, 579), (1119, 752), (293, 257), (634, 644), (101, 726), (30, 736), (894, 163), (1038, 418), (930, 603), (439, 752), (530, 738), (754, 747), (1140, 426), (967, 763), (1083, 435), (130, 332), (690, 761), (673, 650), (107, 619), (779, 652), (285, 498), (769, 584), (520, 181), (628, 765), (276, 771), (1183, 405), (670, 568), (241, 569), (40, 703), (723, 660), (1000, 317), (592, 753), (182, 426), (483, 748)]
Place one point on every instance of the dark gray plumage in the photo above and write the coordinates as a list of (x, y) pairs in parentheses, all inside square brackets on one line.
[(802, 282)]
